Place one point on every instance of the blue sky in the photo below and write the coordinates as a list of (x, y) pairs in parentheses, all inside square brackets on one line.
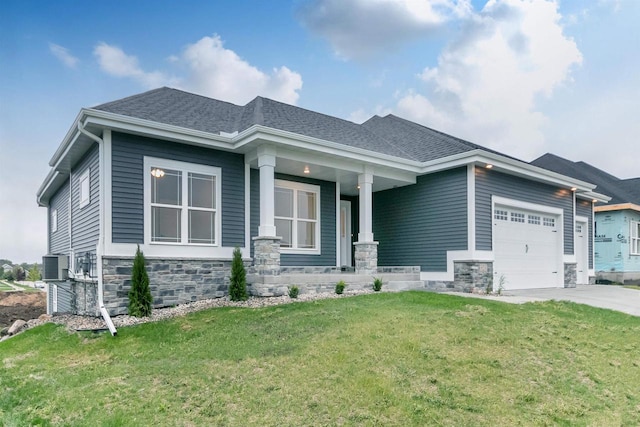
[(524, 77)]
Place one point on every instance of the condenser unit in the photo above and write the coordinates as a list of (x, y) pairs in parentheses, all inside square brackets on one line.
[(55, 267)]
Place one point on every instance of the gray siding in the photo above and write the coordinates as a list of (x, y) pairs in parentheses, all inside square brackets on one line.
[(327, 255), (585, 208), (128, 152), (65, 295), (58, 242), (490, 183), (85, 221), (418, 224)]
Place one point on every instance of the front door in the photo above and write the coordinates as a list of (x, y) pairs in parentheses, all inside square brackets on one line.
[(345, 233)]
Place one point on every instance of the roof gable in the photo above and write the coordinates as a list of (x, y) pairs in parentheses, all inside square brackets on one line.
[(621, 191)]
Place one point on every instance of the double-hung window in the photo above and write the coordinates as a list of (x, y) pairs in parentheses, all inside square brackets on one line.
[(635, 238), (297, 216), (184, 202)]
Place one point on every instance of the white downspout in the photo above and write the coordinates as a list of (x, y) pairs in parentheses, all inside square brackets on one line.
[(100, 247)]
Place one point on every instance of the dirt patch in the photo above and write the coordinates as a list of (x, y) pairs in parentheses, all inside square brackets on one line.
[(21, 305)]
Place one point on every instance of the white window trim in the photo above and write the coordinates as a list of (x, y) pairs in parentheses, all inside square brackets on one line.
[(633, 240), (84, 199), (54, 220), (299, 186), (185, 168)]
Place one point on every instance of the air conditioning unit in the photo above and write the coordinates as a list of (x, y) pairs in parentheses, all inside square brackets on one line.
[(55, 267)]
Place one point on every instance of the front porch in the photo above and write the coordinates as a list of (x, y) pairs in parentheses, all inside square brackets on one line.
[(324, 279)]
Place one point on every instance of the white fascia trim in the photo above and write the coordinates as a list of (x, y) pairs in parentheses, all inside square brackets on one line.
[(259, 133), (506, 164), (591, 196), (148, 127), (456, 256), (68, 140), (51, 176)]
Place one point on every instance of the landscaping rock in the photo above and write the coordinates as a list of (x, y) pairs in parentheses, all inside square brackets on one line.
[(16, 327)]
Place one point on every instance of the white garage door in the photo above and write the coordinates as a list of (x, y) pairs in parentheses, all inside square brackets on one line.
[(527, 249)]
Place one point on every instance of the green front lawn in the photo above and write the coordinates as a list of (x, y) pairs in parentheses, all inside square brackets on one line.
[(380, 359), (4, 286)]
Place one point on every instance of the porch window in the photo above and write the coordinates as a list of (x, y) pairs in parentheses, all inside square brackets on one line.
[(184, 202), (297, 216), (635, 238)]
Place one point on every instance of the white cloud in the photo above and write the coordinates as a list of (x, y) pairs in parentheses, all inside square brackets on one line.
[(212, 70), (115, 62), (220, 73), (62, 53), (485, 85), (361, 115), (361, 28)]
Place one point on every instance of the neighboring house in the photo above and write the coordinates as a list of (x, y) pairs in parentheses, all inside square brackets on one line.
[(310, 199), (617, 225), (6, 268)]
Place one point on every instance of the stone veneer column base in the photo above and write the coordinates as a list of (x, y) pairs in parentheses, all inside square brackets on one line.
[(266, 255), (366, 257), (474, 276)]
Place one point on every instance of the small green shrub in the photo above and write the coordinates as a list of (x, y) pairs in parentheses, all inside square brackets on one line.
[(340, 287), (293, 292), (377, 284), (238, 279), (140, 298)]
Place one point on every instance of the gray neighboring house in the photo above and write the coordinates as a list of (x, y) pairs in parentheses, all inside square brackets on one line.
[(617, 224), (310, 199)]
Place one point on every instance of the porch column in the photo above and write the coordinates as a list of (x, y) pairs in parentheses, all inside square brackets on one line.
[(266, 246), (267, 164), (365, 182), (366, 250)]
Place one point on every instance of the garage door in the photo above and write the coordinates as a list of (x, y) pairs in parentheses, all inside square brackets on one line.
[(526, 248)]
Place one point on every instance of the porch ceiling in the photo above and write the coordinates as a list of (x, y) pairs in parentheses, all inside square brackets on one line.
[(348, 179)]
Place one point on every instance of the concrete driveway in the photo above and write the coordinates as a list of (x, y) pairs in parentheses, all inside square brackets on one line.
[(602, 296)]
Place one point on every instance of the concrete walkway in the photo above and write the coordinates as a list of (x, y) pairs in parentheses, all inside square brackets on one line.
[(602, 296)]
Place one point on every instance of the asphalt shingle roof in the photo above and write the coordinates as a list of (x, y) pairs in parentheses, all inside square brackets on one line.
[(620, 190), (389, 135)]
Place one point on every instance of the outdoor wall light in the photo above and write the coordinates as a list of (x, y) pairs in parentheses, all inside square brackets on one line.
[(306, 169), (157, 173), (489, 166), (573, 189)]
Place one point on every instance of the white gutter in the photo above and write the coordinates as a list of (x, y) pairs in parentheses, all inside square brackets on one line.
[(100, 247)]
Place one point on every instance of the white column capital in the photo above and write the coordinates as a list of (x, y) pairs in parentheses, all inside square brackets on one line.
[(266, 155), (365, 178)]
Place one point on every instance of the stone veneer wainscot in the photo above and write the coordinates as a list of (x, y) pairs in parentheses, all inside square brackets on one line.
[(172, 281)]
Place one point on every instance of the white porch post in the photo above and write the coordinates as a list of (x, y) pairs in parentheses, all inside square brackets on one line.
[(366, 250), (266, 246), (267, 164), (365, 182)]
